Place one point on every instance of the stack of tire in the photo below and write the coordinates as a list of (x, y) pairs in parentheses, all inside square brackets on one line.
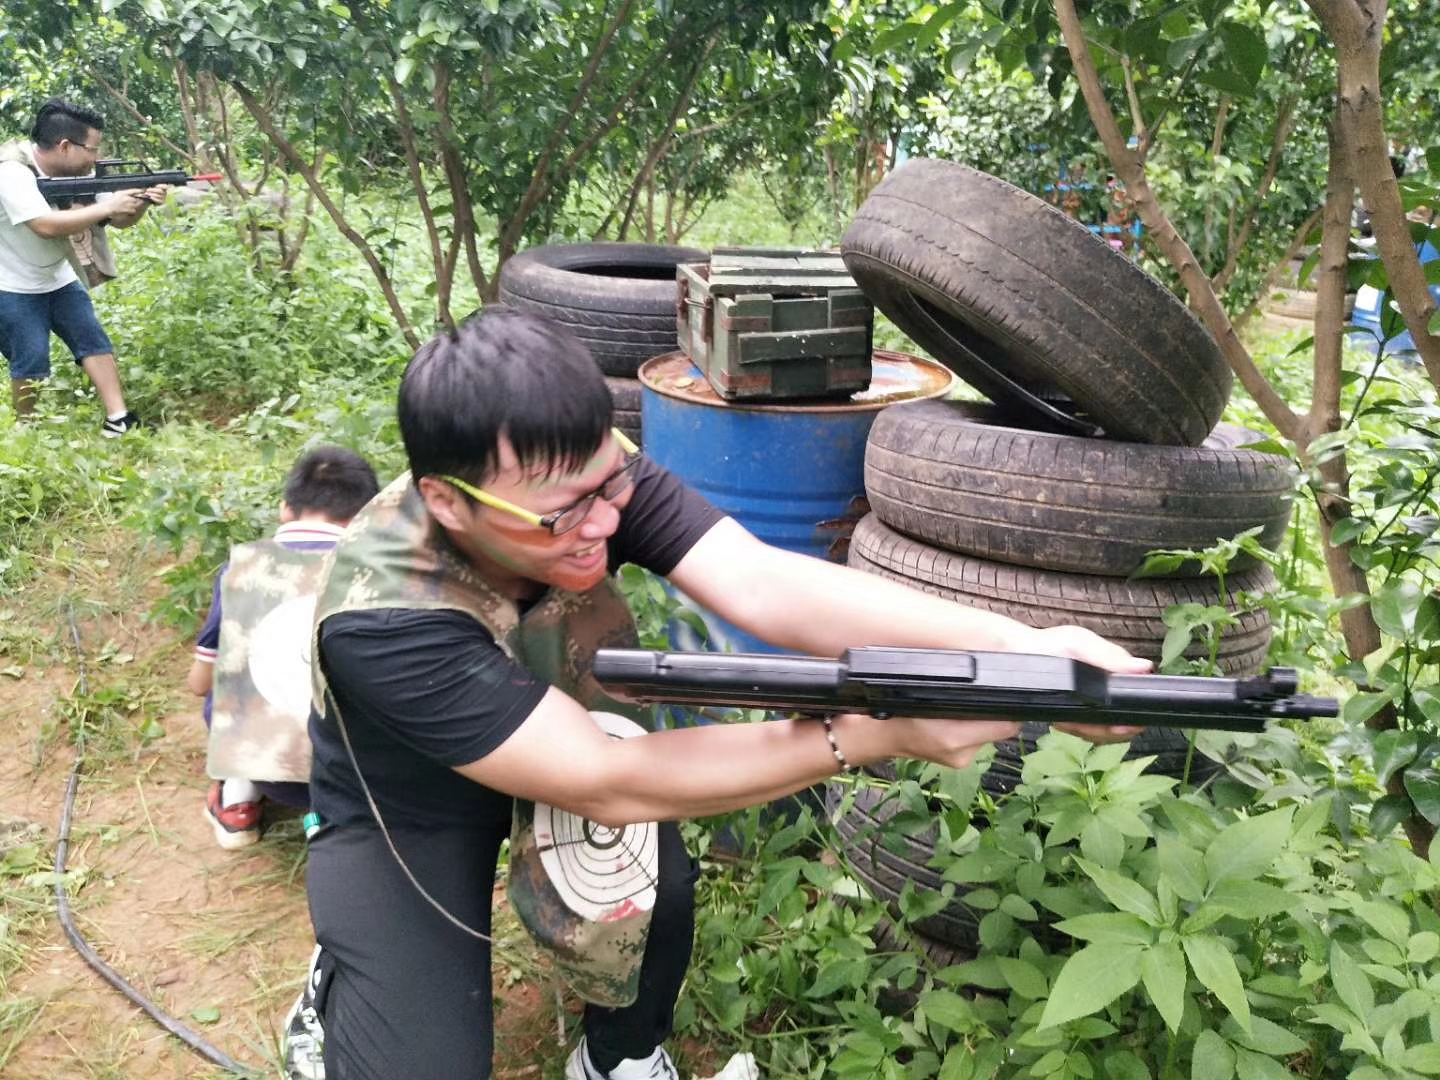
[(619, 299), (1103, 444)]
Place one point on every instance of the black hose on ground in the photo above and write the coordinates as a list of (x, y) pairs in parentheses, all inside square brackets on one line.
[(62, 901)]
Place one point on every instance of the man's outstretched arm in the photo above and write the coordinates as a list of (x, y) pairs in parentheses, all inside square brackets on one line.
[(811, 606)]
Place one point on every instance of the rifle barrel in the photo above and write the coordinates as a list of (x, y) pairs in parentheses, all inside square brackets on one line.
[(954, 685)]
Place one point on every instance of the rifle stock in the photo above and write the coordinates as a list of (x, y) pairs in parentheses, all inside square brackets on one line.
[(883, 681)]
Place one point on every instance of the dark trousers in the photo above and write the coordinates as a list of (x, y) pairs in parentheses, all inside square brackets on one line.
[(407, 994)]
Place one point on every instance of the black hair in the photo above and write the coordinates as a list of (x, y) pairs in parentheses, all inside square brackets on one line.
[(60, 119), (502, 373), (330, 480)]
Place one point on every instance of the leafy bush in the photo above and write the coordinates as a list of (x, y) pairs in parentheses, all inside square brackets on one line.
[(200, 331), (51, 476), (208, 490), (1126, 931)]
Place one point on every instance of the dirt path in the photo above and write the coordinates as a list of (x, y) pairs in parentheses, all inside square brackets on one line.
[(218, 940)]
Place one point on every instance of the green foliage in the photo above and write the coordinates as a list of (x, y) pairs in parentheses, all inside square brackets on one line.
[(195, 512), (202, 332), (655, 608), (27, 875), (46, 477), (1127, 930), (39, 38), (1391, 530), (201, 335)]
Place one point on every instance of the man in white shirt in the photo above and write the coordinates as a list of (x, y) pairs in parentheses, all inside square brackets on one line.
[(40, 289)]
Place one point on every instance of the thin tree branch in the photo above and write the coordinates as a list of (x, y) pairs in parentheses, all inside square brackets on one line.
[(267, 125), (1129, 167), (720, 125), (462, 209), (443, 273), (145, 121), (657, 148), (185, 93), (1132, 96), (1147, 143), (1284, 124), (1298, 240), (611, 116), (510, 234)]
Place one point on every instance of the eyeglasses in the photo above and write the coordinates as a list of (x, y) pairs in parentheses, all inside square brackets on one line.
[(86, 146), (567, 518)]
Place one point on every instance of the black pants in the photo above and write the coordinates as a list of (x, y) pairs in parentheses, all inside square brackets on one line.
[(407, 994)]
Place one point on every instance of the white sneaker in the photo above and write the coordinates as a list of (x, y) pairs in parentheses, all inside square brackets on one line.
[(304, 1046), (739, 1067), (657, 1066)]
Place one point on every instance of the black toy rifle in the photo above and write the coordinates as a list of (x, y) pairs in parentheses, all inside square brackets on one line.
[(960, 685), (111, 174)]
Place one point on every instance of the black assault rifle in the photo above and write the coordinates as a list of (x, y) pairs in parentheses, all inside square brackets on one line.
[(947, 684), (111, 174)]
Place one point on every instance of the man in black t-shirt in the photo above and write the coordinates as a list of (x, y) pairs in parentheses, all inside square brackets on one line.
[(527, 490)]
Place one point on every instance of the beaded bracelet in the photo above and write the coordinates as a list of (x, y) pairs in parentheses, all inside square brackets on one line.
[(834, 746)]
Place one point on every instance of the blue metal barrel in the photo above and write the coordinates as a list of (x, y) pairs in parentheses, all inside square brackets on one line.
[(793, 474)]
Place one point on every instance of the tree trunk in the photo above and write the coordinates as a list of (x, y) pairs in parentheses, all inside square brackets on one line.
[(1357, 624), (1357, 28)]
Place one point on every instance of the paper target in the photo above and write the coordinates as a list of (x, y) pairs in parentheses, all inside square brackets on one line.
[(600, 872), (280, 656)]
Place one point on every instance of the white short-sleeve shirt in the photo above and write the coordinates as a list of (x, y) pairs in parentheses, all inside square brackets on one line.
[(29, 263)]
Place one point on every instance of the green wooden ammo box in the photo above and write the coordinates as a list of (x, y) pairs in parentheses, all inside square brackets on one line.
[(768, 324)]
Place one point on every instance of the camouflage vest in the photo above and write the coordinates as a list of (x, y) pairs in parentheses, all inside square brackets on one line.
[(89, 251), (261, 700), (394, 556)]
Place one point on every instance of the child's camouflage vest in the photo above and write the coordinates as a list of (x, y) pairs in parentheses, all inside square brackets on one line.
[(394, 556), (88, 251), (261, 702)]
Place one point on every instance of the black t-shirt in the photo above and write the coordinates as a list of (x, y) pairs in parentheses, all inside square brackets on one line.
[(424, 691)]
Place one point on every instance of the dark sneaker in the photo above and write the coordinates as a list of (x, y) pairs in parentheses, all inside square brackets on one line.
[(113, 429), (304, 1046), (235, 826)]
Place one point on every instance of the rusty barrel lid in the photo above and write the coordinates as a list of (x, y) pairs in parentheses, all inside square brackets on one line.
[(895, 377)]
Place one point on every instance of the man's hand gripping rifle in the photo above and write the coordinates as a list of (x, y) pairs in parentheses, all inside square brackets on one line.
[(112, 174), (940, 683)]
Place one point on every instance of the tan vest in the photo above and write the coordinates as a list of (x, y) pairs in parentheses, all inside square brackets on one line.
[(394, 556), (89, 252), (261, 701)]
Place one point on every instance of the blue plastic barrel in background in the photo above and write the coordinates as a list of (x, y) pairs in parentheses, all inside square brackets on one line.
[(791, 473), (1368, 314)]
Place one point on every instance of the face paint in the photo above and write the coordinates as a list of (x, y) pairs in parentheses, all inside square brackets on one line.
[(518, 555)]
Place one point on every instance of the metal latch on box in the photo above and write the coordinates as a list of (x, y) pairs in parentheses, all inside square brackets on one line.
[(683, 304)]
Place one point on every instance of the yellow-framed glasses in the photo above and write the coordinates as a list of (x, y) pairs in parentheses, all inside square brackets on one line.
[(567, 518)]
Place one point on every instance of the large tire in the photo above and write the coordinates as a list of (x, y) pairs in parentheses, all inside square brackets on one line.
[(619, 299), (951, 474), (1127, 612), (625, 393), (884, 872), (1025, 304)]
